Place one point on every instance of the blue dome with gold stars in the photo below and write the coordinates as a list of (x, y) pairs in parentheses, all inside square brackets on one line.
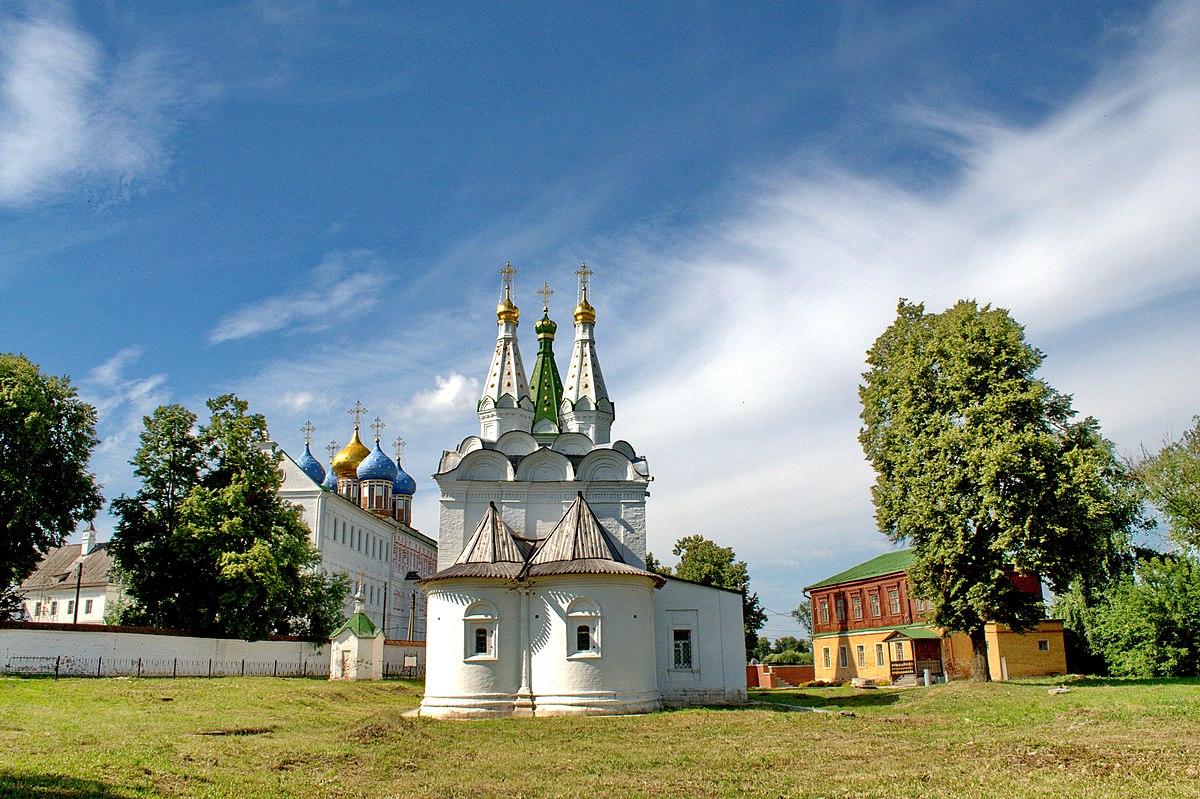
[(330, 483), (377, 466), (404, 483), (311, 466)]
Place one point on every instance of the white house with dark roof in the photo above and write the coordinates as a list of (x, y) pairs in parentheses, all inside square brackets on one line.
[(73, 584), (541, 604)]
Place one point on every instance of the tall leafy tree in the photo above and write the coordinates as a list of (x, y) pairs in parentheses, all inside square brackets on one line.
[(207, 544), (702, 561), (982, 470), (46, 437), (1172, 482)]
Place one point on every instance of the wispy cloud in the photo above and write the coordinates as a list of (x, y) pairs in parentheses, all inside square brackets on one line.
[(343, 284), (746, 398), (122, 400), (72, 119)]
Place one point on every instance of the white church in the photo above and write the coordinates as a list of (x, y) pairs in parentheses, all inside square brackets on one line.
[(541, 604)]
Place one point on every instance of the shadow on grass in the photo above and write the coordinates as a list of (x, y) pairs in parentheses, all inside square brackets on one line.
[(54, 786), (866, 698), (1118, 682)]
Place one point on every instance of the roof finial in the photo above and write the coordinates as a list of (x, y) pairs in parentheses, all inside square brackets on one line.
[(546, 293), (399, 443), (332, 448), (377, 427), (584, 312), (357, 411), (308, 430), (506, 311), (584, 274)]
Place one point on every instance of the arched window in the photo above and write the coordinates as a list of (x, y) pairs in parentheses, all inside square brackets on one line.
[(479, 626), (583, 629)]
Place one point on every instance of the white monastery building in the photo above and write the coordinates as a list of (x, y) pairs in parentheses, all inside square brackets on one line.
[(541, 604), (359, 515)]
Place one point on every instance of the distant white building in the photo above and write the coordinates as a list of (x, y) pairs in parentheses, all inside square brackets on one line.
[(72, 584), (359, 515), (541, 604)]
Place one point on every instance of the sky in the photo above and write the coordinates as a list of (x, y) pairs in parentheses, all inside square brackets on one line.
[(307, 204)]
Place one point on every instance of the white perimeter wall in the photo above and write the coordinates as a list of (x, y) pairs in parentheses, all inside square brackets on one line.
[(114, 646), (718, 644)]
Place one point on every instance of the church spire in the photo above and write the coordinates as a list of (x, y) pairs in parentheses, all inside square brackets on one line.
[(505, 404), (586, 407), (547, 385)]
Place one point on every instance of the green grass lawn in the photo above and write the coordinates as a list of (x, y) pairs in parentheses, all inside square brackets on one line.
[(264, 737)]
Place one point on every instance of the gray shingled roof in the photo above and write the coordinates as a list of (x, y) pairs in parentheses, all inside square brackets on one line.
[(493, 542), (57, 569), (578, 544)]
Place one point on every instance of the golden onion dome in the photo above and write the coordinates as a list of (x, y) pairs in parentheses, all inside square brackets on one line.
[(506, 311), (584, 312), (345, 463)]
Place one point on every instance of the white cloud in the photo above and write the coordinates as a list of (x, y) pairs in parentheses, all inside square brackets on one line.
[(449, 397), (72, 119), (749, 355), (121, 401), (344, 285)]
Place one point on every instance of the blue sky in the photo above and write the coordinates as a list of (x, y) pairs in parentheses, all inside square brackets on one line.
[(307, 203)]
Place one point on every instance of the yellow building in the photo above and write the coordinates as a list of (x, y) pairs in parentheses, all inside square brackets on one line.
[(867, 624)]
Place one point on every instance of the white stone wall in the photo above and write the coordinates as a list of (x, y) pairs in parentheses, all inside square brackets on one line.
[(158, 652), (714, 617)]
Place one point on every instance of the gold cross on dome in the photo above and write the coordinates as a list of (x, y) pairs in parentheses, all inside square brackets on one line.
[(308, 430), (546, 292), (507, 273), (399, 443), (332, 448), (584, 275), (377, 427), (357, 411)]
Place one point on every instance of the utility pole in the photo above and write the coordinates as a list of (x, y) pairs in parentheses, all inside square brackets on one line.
[(78, 585)]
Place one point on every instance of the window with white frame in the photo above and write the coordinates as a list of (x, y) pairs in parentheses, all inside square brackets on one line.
[(1043, 644), (87, 607), (825, 656), (843, 659), (479, 627), (824, 611), (583, 629), (894, 601), (875, 611), (841, 609), (681, 639), (899, 650), (856, 606), (878, 654), (861, 653)]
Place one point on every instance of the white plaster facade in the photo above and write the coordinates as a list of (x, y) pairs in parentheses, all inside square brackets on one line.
[(541, 605), (378, 552)]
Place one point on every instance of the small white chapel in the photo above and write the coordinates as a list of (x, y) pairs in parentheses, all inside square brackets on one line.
[(541, 604)]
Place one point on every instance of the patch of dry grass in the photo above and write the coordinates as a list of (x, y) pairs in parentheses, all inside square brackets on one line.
[(120, 738)]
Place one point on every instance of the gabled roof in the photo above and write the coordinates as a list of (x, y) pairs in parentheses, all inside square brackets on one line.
[(360, 625), (887, 563), (578, 544), (58, 569), (493, 542)]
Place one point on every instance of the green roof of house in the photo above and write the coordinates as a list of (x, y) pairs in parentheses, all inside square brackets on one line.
[(921, 633), (887, 563), (360, 625)]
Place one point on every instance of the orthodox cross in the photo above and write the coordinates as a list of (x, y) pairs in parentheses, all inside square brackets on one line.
[(584, 274), (399, 444), (357, 411), (507, 273), (545, 291), (377, 427), (308, 430), (332, 447)]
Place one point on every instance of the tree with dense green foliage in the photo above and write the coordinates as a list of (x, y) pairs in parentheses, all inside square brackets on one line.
[(1148, 623), (980, 468), (702, 561), (206, 544), (46, 437), (803, 616), (1171, 479)]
